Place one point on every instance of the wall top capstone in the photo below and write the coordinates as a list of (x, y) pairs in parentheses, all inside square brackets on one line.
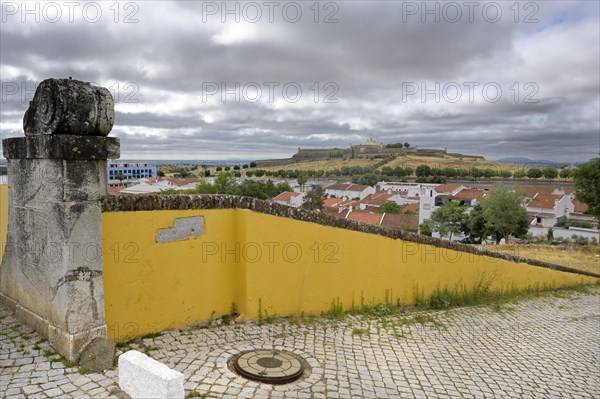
[(69, 106), (68, 147)]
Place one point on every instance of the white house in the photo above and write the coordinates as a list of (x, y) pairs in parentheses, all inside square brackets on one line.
[(290, 198), (348, 190), (546, 209), (402, 188)]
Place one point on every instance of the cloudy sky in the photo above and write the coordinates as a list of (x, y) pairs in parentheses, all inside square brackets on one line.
[(255, 80)]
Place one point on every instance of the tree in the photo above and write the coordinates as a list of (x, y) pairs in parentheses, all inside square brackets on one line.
[(302, 179), (505, 174), (474, 226), (236, 167), (245, 166), (587, 185), (425, 228), (207, 172), (519, 174), (423, 171), (406, 145), (368, 179), (565, 173), (449, 219), (218, 169), (253, 164), (504, 214), (390, 207), (314, 199), (120, 177), (534, 173), (224, 184), (160, 173), (550, 173), (203, 187)]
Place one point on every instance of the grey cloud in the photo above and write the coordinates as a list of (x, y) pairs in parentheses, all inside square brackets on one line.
[(369, 54)]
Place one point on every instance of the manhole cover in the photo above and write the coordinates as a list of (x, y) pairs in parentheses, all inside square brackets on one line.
[(274, 367)]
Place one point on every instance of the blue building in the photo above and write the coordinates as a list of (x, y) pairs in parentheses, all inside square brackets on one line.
[(130, 170)]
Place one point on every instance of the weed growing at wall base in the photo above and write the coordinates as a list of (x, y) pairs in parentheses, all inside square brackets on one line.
[(481, 294)]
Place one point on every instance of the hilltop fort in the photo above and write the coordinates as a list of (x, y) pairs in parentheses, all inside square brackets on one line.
[(370, 149)]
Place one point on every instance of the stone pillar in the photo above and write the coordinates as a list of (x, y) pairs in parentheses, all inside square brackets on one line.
[(51, 274)]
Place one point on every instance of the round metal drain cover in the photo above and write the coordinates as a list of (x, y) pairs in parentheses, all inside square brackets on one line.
[(271, 366)]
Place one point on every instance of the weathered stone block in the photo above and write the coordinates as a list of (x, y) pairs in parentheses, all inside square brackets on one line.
[(67, 106), (98, 355), (143, 377), (69, 345)]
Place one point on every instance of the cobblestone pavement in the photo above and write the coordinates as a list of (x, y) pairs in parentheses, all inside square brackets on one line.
[(544, 348)]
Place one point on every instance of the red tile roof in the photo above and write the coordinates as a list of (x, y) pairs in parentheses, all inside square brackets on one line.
[(546, 201), (376, 199), (365, 217), (579, 206), (447, 188), (532, 191), (115, 190), (333, 211), (347, 203), (286, 196), (331, 201), (470, 194)]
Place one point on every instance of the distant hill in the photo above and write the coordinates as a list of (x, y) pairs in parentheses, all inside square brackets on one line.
[(537, 162)]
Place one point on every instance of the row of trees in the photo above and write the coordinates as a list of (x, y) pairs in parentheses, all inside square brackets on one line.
[(225, 183), (397, 145), (499, 215), (422, 171), (235, 167)]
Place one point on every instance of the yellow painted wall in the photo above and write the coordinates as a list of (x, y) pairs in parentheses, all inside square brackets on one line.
[(280, 265), (151, 286), (344, 264)]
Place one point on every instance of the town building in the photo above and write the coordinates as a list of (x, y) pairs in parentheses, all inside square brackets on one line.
[(128, 171), (290, 198), (349, 190)]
